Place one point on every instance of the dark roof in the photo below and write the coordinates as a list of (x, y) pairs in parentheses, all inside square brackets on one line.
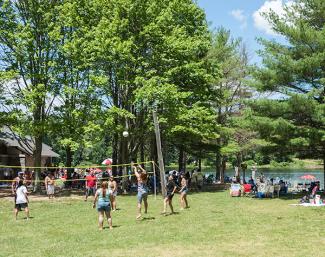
[(25, 144)]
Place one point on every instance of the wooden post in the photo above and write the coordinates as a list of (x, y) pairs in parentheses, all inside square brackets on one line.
[(159, 153), (154, 179)]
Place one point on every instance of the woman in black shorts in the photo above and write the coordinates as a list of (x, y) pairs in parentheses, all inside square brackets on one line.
[(21, 199), (170, 190)]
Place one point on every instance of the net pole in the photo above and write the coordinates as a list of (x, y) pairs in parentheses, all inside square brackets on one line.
[(154, 179), (159, 153)]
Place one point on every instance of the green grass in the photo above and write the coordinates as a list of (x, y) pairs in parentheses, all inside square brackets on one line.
[(215, 225)]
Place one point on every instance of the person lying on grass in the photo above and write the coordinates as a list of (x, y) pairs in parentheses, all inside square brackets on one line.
[(103, 205)]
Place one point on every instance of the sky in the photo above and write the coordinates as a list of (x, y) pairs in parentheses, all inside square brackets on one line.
[(243, 19)]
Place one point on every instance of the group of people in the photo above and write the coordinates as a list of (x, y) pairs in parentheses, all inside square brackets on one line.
[(103, 196), (105, 192), (261, 187), (171, 188), (311, 193)]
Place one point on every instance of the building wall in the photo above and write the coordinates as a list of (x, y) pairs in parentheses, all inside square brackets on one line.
[(30, 161), (13, 157)]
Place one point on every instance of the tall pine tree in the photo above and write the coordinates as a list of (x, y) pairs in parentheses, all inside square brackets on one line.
[(295, 69)]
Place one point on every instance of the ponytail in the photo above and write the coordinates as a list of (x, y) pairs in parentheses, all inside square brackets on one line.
[(104, 187)]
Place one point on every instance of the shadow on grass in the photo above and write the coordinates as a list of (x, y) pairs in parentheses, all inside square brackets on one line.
[(170, 214), (114, 226), (217, 212), (146, 218)]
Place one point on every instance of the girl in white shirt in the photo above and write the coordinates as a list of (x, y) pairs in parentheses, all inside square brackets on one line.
[(21, 200)]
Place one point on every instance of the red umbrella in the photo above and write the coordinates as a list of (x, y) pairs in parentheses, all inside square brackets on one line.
[(107, 161), (308, 177)]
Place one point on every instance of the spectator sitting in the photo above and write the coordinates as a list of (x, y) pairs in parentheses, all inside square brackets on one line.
[(304, 199), (247, 188), (314, 191), (252, 183)]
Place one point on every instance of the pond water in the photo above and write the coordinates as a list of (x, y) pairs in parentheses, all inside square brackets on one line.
[(290, 175)]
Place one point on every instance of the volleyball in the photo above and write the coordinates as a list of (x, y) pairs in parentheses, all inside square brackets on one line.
[(125, 134)]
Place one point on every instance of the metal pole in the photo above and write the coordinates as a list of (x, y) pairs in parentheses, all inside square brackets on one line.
[(159, 152), (154, 179)]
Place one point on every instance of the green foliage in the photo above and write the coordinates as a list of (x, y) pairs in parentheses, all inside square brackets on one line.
[(296, 70), (100, 68)]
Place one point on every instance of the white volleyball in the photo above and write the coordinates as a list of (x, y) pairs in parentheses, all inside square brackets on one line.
[(125, 134)]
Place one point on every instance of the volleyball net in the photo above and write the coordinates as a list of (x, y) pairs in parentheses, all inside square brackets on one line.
[(77, 177), (80, 170)]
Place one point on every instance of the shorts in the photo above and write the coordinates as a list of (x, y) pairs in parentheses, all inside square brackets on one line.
[(169, 196), (103, 208), (113, 193), (20, 206), (50, 189), (142, 196), (90, 191), (184, 192)]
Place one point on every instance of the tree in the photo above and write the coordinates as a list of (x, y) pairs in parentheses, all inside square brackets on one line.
[(151, 52), (76, 121), (295, 70), (28, 54), (228, 61)]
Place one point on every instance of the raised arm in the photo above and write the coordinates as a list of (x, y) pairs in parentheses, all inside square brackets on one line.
[(142, 169), (136, 171)]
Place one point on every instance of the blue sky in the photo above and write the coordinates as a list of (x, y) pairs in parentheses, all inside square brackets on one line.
[(242, 18)]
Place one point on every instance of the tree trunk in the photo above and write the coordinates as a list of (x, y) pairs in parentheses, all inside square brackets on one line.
[(181, 164), (69, 156), (124, 153), (244, 175), (142, 158), (68, 163), (218, 164), (184, 160), (200, 164), (239, 161), (115, 153), (38, 162), (223, 169), (324, 166), (120, 157), (153, 150)]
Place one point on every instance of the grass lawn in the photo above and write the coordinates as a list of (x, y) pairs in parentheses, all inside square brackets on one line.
[(215, 225)]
